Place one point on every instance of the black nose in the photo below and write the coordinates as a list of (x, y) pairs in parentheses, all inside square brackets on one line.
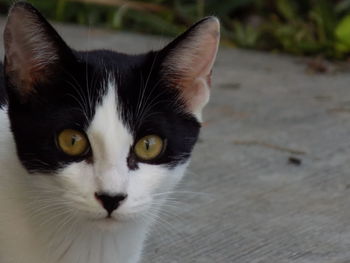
[(110, 202)]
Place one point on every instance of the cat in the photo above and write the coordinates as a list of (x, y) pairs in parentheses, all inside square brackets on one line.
[(91, 142)]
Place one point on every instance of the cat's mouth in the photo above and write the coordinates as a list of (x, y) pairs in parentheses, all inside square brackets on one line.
[(105, 223), (108, 218)]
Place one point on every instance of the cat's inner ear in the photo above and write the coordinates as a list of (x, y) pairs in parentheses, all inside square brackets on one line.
[(33, 49), (189, 61)]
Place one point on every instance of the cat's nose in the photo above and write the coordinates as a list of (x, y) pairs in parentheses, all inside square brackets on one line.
[(110, 202)]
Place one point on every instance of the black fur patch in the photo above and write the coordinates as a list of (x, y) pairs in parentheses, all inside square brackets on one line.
[(148, 105)]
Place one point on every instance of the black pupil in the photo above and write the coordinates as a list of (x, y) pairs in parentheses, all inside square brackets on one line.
[(74, 140), (147, 144)]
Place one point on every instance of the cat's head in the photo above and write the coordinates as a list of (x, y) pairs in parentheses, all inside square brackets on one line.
[(104, 134)]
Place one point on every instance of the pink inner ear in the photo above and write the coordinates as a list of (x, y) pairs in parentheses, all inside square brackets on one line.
[(196, 95), (24, 72), (190, 65), (204, 57), (28, 51)]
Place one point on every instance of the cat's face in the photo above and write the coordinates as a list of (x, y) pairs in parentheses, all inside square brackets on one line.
[(104, 135)]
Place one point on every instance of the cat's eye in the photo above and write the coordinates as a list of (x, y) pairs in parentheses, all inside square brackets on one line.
[(73, 142), (149, 147)]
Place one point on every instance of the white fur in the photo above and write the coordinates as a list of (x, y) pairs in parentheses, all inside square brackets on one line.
[(56, 219)]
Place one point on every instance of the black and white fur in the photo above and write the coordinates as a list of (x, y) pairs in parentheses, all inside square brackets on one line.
[(48, 211)]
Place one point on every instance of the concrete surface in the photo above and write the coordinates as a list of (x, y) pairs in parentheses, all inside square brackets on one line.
[(242, 201)]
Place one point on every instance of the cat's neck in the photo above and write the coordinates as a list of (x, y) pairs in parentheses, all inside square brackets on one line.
[(86, 244), (54, 240), (68, 244)]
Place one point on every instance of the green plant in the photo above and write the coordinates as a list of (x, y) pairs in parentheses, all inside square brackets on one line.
[(302, 27)]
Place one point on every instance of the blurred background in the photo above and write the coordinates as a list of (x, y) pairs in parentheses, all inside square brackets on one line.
[(301, 27)]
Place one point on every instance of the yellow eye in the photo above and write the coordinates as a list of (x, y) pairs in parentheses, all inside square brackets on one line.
[(73, 142), (149, 147)]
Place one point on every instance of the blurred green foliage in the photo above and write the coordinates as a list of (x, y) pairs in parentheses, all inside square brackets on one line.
[(302, 27)]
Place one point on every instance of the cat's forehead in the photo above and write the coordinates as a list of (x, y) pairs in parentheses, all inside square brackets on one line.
[(130, 74), (110, 60), (107, 125)]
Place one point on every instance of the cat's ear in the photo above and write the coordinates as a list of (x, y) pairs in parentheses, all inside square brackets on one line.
[(34, 51), (189, 60)]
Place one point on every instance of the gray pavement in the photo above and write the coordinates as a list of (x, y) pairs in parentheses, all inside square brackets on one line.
[(242, 201)]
